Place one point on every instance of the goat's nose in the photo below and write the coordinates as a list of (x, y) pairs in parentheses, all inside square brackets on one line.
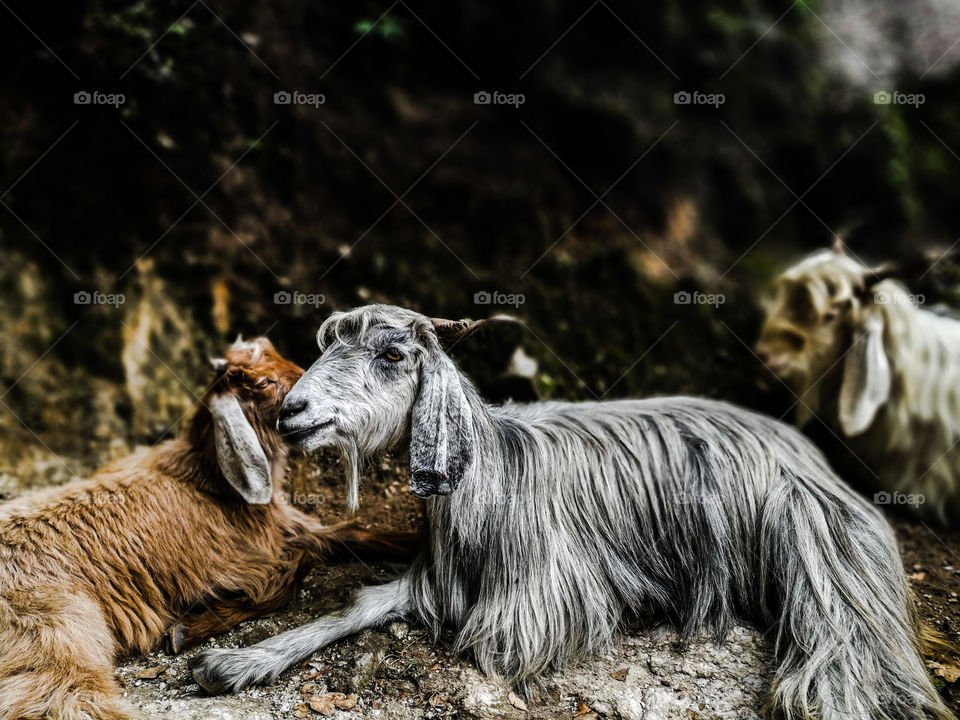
[(292, 407)]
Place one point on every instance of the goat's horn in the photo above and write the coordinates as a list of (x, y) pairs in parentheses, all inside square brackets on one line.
[(915, 266), (838, 247), (452, 331)]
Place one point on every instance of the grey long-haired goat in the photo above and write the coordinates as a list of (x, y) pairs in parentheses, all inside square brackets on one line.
[(859, 352), (552, 524)]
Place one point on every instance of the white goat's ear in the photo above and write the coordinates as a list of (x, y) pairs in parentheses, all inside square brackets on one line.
[(441, 429), (239, 453), (218, 365), (866, 379)]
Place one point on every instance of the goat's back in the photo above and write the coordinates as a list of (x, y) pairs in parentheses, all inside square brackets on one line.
[(139, 542)]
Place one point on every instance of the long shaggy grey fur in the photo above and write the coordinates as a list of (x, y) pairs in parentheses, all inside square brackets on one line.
[(552, 525)]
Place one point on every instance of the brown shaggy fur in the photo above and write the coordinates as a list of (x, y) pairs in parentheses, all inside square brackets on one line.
[(154, 542)]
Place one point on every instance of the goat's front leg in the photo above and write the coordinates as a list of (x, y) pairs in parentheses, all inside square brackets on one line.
[(228, 670)]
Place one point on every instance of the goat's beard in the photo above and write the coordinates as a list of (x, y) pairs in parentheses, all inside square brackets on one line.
[(350, 454)]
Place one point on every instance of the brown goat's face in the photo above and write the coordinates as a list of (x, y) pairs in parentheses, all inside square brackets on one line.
[(259, 376)]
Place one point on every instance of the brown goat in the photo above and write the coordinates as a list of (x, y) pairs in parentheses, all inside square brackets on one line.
[(191, 536)]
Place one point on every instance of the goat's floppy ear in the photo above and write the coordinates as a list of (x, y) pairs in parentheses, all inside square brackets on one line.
[(440, 430), (866, 379), (239, 453)]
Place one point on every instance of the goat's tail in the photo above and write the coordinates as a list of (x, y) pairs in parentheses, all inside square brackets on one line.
[(848, 640)]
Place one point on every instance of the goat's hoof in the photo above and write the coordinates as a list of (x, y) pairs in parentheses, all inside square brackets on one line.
[(174, 642), (205, 677)]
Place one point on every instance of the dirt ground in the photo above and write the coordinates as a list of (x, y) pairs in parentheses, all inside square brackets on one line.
[(398, 672)]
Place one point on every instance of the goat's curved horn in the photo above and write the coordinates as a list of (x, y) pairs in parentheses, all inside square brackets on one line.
[(918, 265), (453, 331), (837, 246)]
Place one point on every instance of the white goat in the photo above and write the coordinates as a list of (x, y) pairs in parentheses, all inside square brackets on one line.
[(859, 352)]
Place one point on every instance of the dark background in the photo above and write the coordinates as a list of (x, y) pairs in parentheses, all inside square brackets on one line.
[(303, 199)]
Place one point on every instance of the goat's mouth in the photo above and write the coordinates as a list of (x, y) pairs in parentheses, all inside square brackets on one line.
[(300, 436)]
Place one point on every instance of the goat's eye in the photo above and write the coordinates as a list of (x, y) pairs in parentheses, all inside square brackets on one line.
[(263, 382), (829, 316), (392, 354)]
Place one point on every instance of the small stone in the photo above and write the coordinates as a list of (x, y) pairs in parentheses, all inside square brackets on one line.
[(399, 630), (516, 701), (151, 673), (620, 675)]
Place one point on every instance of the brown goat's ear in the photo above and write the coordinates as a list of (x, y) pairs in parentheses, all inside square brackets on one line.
[(450, 332), (239, 453)]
